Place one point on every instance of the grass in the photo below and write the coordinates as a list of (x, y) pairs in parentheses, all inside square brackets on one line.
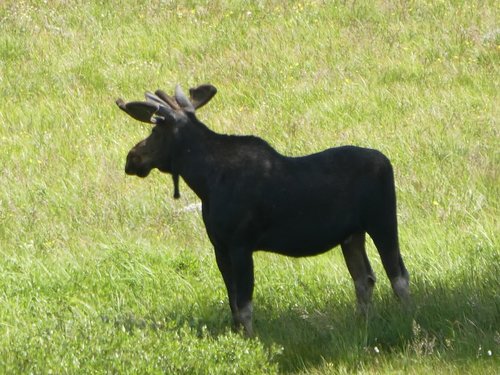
[(105, 273)]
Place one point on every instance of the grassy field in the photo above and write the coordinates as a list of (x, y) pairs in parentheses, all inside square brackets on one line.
[(102, 273)]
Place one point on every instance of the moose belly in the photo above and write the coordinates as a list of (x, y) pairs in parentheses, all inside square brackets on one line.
[(305, 237)]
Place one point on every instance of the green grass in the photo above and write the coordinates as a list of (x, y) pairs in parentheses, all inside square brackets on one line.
[(105, 273)]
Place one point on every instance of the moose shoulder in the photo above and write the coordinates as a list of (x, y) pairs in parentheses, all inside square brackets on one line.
[(254, 198)]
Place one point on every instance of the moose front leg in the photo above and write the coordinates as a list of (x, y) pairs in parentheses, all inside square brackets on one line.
[(242, 271), (224, 264)]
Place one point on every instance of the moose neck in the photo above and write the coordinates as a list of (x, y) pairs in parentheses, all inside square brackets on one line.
[(193, 159)]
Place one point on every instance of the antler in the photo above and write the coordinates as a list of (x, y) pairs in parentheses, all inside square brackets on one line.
[(166, 106), (141, 111)]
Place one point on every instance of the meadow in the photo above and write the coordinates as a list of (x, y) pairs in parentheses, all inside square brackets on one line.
[(106, 273)]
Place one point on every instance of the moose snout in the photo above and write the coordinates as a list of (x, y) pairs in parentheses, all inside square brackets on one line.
[(132, 164)]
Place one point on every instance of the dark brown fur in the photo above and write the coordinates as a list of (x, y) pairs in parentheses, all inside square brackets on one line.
[(254, 198)]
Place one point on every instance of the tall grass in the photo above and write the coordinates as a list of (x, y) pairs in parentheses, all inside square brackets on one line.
[(105, 273)]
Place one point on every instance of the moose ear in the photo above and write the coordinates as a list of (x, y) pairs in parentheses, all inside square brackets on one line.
[(201, 95), (142, 111)]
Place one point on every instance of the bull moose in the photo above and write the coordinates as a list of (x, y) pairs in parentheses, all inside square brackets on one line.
[(253, 198)]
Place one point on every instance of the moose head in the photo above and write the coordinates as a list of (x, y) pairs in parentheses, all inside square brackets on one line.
[(168, 114)]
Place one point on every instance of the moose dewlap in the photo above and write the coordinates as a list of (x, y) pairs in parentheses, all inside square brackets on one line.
[(253, 198)]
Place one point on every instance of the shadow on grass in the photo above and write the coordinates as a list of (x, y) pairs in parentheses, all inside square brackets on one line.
[(458, 320), (454, 320)]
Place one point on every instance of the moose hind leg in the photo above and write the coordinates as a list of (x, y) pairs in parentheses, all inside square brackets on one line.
[(401, 284), (360, 269), (385, 238)]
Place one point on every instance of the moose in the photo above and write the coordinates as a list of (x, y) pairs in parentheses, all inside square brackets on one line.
[(253, 198)]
